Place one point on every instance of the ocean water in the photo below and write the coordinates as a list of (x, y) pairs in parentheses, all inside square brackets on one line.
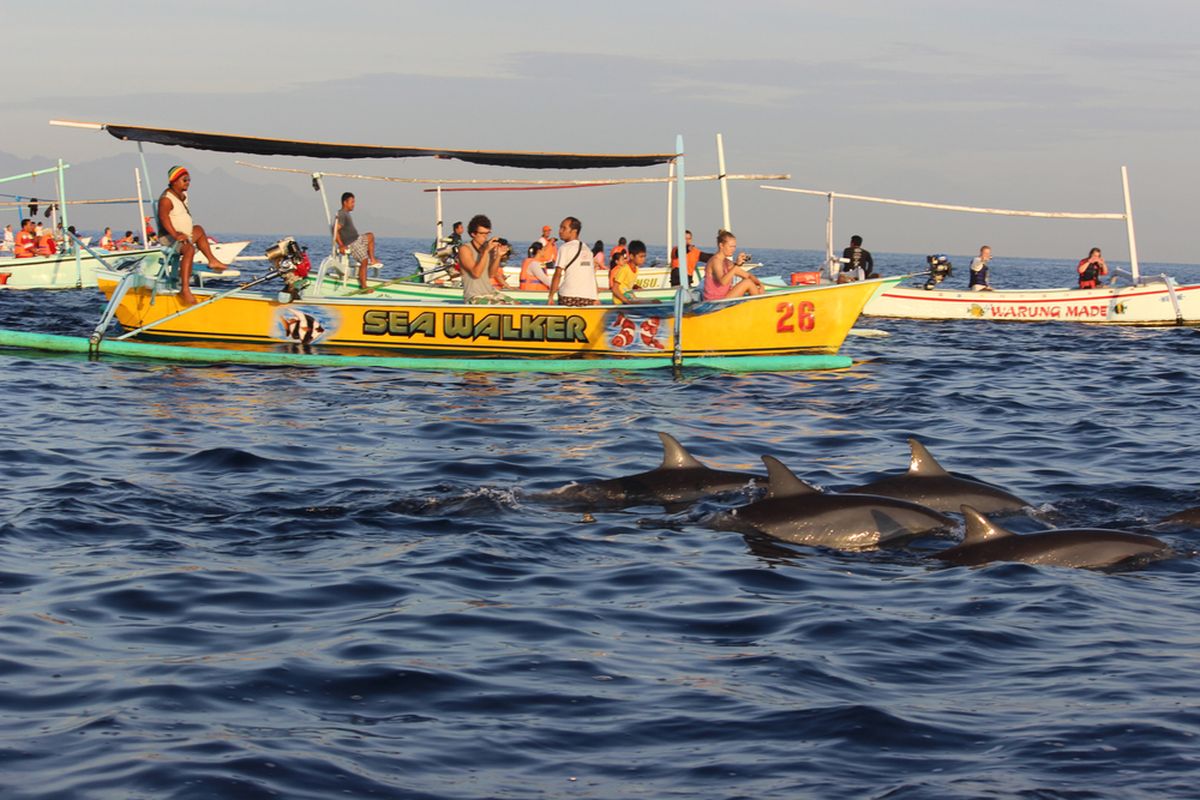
[(245, 582)]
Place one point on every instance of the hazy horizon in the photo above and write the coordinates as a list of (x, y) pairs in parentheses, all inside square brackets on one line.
[(1029, 106)]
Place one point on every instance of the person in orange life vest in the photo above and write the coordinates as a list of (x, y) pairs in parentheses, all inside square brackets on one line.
[(722, 269), (175, 225), (534, 277), (24, 244), (106, 241), (126, 242), (44, 244), (1092, 269), (694, 257), (619, 247), (549, 249)]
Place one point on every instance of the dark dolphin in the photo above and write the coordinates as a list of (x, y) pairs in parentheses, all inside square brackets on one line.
[(679, 479), (927, 483), (1094, 548), (794, 511), (1189, 517)]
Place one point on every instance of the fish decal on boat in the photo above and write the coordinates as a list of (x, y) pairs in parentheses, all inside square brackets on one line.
[(301, 325)]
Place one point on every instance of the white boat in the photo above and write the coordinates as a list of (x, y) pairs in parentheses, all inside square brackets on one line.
[(1152, 301), (224, 251), (1138, 300), (61, 271)]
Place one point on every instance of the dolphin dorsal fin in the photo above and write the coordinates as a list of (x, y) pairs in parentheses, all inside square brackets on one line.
[(674, 454), (981, 529), (782, 482), (922, 463)]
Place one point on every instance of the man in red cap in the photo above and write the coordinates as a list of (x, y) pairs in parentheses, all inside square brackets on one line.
[(549, 250), (175, 225)]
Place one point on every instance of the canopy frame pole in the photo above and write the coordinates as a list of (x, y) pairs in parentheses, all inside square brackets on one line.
[(670, 203), (145, 171), (829, 262), (682, 294), (62, 196), (137, 181), (1133, 255), (319, 184), (724, 183), (437, 242)]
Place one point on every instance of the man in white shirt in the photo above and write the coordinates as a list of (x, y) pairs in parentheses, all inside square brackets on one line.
[(574, 274)]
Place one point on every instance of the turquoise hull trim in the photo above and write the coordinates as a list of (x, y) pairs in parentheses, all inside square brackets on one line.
[(211, 355)]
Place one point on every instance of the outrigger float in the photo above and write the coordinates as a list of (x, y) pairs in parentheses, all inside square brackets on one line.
[(792, 329), (1140, 300)]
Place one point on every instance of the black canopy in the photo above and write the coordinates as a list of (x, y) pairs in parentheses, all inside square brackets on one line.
[(230, 143)]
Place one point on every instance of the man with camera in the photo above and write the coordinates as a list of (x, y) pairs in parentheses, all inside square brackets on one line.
[(481, 261), (1092, 269)]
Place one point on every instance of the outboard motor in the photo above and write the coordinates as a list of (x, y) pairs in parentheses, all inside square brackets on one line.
[(290, 260), (939, 269)]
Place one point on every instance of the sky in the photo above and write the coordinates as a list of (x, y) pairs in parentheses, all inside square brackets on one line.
[(1026, 105)]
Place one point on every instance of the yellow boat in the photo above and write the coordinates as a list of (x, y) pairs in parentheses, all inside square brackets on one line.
[(811, 319)]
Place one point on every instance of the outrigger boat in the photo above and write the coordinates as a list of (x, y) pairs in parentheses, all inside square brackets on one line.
[(75, 267), (1140, 300), (804, 326)]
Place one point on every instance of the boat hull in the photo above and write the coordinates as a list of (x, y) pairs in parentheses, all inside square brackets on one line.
[(1148, 303), (60, 271), (802, 321)]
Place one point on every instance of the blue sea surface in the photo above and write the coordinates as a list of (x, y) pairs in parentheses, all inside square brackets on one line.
[(245, 582)]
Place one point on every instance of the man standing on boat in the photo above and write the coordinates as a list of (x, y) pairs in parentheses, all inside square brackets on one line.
[(979, 271), (175, 225), (479, 261), (573, 270), (361, 248)]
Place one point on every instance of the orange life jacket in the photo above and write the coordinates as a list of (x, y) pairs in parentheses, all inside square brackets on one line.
[(528, 282), (23, 246), (45, 245), (693, 258)]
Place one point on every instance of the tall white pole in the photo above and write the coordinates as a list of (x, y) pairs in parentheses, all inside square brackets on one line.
[(829, 263), (319, 182), (683, 294), (724, 184), (438, 241), (137, 181), (670, 198), (1133, 258)]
